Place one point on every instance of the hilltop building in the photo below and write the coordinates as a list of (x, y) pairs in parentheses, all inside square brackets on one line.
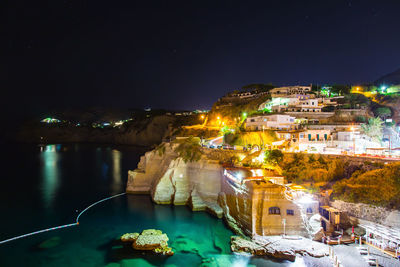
[(296, 103), (243, 95), (276, 121), (290, 90)]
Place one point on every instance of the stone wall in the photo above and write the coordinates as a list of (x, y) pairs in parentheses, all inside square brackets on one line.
[(369, 212), (246, 208)]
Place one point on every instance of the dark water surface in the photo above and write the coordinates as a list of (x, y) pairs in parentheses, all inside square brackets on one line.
[(42, 187)]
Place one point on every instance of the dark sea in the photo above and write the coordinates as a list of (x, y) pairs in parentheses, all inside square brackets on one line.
[(49, 185)]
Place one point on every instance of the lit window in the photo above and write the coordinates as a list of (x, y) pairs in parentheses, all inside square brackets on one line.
[(274, 210)]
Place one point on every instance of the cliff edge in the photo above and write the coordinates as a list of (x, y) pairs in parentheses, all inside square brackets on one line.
[(170, 180)]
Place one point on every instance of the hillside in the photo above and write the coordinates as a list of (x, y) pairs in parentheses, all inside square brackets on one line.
[(389, 79)]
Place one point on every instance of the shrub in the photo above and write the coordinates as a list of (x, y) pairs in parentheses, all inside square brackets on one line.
[(189, 149)]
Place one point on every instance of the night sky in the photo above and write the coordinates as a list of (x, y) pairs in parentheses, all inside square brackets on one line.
[(185, 54)]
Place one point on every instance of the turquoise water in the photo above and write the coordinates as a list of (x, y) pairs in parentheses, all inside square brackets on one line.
[(46, 186)]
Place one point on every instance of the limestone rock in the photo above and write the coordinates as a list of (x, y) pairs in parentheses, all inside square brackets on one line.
[(240, 244), (171, 180), (129, 237), (279, 247), (150, 239)]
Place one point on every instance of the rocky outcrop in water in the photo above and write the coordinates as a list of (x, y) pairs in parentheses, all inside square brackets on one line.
[(151, 239)]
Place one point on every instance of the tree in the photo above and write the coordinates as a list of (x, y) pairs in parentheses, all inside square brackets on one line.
[(383, 112), (315, 87), (374, 128), (341, 89), (273, 157)]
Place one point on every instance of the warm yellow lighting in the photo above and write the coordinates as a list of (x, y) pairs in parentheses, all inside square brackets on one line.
[(218, 118), (202, 116), (352, 128), (358, 88)]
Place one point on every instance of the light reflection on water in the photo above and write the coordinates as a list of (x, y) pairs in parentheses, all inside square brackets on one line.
[(49, 173), (116, 171), (68, 177)]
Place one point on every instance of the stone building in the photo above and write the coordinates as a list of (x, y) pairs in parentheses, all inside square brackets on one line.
[(263, 205)]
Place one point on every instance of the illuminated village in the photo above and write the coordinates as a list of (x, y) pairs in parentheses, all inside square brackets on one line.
[(303, 167), (200, 133), (276, 170)]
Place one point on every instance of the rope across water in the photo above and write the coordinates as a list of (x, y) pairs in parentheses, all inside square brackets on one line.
[(61, 226)]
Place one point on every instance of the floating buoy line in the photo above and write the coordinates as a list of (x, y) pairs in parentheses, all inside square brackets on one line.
[(60, 226)]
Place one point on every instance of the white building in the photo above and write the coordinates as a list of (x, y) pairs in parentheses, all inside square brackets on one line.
[(290, 90), (355, 142), (328, 139), (293, 103), (279, 104), (277, 121)]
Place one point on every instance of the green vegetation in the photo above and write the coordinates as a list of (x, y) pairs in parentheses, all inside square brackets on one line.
[(383, 112), (254, 138), (160, 149), (232, 112), (189, 149), (341, 89), (379, 187), (273, 157), (354, 101), (373, 183), (374, 128), (302, 168)]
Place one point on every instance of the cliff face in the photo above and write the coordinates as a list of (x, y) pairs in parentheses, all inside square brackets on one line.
[(170, 180), (367, 212), (203, 185)]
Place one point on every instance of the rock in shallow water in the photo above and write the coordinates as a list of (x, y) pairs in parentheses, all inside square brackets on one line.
[(50, 243), (150, 239), (279, 247), (129, 237)]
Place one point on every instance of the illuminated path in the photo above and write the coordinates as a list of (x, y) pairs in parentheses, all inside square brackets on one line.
[(61, 226)]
